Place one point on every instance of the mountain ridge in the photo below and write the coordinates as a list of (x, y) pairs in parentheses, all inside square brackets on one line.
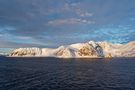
[(89, 49)]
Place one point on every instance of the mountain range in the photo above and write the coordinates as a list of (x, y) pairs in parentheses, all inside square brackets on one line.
[(89, 49)]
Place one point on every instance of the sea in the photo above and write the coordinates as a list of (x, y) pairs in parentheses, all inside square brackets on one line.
[(40, 73)]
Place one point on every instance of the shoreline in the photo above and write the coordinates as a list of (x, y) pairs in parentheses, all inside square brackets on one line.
[(65, 57)]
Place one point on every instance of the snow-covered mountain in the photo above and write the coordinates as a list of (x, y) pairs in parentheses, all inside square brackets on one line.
[(89, 49)]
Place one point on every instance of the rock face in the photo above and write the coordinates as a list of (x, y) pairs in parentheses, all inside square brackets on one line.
[(89, 49)]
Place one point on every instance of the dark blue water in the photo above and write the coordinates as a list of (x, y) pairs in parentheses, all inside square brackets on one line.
[(67, 74)]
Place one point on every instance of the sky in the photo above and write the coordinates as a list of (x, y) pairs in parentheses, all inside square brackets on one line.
[(51, 23)]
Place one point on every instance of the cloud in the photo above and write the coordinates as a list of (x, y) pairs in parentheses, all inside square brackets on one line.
[(86, 14), (70, 21), (47, 22), (12, 41), (66, 7), (72, 9), (10, 44), (83, 13)]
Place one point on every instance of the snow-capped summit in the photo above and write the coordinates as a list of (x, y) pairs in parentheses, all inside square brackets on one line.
[(94, 44), (89, 49)]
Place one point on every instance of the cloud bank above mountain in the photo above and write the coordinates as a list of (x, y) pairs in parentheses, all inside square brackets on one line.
[(46, 23)]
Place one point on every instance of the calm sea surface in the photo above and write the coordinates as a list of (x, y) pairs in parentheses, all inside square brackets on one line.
[(67, 74)]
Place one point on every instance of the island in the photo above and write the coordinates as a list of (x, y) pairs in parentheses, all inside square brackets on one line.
[(90, 49)]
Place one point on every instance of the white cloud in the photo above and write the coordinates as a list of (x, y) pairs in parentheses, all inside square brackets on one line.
[(86, 14), (65, 8), (83, 13), (70, 21), (24, 38), (71, 8)]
